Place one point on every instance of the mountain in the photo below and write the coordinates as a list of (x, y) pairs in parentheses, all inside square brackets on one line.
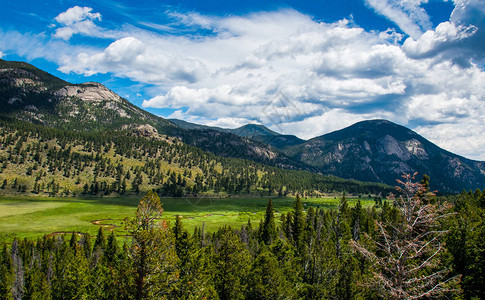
[(380, 151), (187, 125), (227, 144), (30, 94), (280, 142), (253, 132), (376, 150), (267, 136)]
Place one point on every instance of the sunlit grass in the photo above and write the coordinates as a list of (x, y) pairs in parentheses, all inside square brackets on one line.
[(36, 216)]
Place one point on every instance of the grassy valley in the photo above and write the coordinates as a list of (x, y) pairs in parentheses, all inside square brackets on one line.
[(34, 217)]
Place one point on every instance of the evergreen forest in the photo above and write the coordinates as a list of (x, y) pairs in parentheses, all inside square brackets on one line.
[(39, 160), (414, 245)]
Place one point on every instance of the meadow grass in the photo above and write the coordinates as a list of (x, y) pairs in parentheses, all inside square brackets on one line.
[(33, 217)]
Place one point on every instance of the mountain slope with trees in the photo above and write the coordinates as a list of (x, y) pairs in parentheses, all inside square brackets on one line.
[(259, 133), (379, 151), (32, 95), (375, 150), (42, 160)]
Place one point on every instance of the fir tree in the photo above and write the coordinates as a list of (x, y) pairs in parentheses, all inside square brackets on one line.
[(111, 250), (298, 224), (100, 242), (268, 231)]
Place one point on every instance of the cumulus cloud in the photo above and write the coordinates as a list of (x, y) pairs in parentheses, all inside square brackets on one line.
[(1, 54), (460, 39), (298, 75), (77, 14), (316, 66), (140, 61), (336, 74), (446, 35), (462, 138), (77, 20)]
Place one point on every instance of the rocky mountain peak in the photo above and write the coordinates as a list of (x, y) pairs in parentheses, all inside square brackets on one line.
[(89, 92), (379, 150), (33, 95)]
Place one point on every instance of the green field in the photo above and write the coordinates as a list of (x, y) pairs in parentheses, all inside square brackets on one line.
[(36, 216)]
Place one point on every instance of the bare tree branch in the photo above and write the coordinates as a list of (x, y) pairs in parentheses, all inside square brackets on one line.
[(409, 264)]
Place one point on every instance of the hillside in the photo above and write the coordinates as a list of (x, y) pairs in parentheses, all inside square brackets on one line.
[(379, 150), (374, 150), (32, 95), (41, 160), (259, 133)]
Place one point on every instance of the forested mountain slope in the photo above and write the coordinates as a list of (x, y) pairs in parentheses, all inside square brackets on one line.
[(33, 95), (30, 94), (42, 160), (375, 150), (379, 150), (253, 132)]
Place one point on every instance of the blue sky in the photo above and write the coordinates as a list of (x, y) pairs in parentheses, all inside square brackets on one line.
[(298, 67)]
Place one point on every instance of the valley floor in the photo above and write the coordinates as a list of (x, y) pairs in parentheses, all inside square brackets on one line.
[(33, 217)]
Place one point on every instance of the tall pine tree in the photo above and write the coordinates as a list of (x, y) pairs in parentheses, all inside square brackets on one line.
[(268, 230)]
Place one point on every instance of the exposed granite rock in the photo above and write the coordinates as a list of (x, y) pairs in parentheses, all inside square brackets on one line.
[(90, 92)]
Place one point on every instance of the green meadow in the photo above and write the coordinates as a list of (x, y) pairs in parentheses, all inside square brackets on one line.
[(32, 217)]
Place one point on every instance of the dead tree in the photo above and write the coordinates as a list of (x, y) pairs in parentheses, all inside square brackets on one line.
[(407, 252)]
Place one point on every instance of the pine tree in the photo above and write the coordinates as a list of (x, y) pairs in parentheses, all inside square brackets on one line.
[(230, 261), (6, 276), (100, 242), (466, 243), (298, 224), (268, 232), (85, 242), (111, 250), (36, 284), (152, 251), (266, 280), (358, 220), (73, 241)]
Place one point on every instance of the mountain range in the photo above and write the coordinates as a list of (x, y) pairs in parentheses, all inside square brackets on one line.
[(373, 150)]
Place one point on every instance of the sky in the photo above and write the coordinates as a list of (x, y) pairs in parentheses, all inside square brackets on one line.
[(298, 67)]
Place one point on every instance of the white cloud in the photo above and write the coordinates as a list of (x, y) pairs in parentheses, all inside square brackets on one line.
[(317, 66), (1, 54), (32, 46), (78, 20), (140, 61), (460, 39), (445, 36), (219, 122), (77, 14), (332, 75), (411, 18), (294, 74), (463, 138)]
